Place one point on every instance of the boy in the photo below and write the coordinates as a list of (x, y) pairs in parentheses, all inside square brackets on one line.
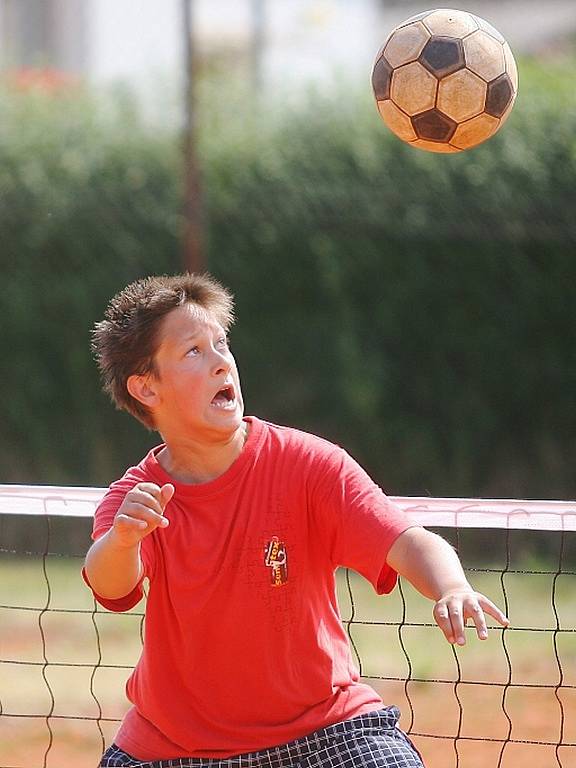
[(239, 525)]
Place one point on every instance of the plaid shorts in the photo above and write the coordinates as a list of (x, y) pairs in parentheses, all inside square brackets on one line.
[(367, 741)]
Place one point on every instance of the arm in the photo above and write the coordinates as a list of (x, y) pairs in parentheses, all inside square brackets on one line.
[(433, 568), (113, 565)]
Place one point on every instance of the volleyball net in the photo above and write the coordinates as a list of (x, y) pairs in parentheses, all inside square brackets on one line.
[(64, 660)]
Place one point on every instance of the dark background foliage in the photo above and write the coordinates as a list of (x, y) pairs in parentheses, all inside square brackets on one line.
[(415, 308)]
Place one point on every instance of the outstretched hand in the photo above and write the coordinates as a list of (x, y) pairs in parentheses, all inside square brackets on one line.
[(455, 608)]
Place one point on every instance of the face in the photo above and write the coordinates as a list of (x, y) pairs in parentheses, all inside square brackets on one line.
[(196, 389)]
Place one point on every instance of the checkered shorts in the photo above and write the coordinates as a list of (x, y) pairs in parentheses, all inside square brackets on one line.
[(367, 741)]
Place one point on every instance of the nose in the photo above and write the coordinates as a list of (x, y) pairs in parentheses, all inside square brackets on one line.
[(221, 362)]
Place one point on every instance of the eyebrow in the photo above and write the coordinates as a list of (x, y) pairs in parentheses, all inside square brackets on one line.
[(198, 334), (217, 330)]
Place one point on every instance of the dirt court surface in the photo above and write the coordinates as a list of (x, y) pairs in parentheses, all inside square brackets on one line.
[(535, 715), (486, 705)]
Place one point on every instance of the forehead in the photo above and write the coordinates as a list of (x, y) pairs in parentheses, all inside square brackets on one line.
[(187, 320)]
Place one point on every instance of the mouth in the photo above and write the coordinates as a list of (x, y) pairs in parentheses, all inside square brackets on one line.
[(225, 398)]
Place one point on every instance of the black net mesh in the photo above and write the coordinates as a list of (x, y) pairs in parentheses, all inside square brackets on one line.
[(64, 660)]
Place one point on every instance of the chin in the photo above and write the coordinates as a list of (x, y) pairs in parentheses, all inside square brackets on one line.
[(228, 422)]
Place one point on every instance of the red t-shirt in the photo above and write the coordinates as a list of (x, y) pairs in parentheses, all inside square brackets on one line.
[(244, 647)]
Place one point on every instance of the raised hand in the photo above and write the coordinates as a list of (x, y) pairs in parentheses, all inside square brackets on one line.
[(141, 512)]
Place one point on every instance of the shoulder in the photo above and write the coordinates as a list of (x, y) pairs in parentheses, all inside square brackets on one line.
[(301, 457), (298, 443), (144, 471)]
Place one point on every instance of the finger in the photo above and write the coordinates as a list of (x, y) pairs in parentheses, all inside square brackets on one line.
[(493, 610), (145, 499), (474, 611), (125, 522), (456, 616), (166, 493), (442, 617), (152, 488), (144, 513), (160, 495)]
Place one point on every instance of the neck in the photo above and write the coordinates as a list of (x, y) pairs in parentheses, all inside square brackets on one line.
[(189, 461)]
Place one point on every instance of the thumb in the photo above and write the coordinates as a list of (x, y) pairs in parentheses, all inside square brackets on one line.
[(166, 493)]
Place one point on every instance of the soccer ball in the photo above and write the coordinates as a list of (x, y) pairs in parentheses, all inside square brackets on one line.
[(445, 80)]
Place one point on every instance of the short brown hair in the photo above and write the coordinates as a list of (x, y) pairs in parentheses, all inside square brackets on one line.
[(126, 341)]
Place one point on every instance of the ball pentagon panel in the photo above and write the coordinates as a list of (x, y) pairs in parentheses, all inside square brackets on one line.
[(442, 55), (444, 81), (381, 79), (511, 69), (500, 96), (434, 126)]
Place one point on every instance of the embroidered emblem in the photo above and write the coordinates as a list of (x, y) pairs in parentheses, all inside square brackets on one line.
[(276, 558)]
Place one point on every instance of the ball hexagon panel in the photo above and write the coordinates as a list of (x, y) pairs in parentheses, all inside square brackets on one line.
[(444, 81), (461, 95), (397, 121), (448, 22), (483, 24), (484, 55), (413, 88), (406, 45), (474, 131), (412, 19), (434, 126), (381, 79), (443, 55), (433, 146), (500, 96)]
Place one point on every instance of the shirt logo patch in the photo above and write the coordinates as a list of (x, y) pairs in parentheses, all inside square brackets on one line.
[(276, 558)]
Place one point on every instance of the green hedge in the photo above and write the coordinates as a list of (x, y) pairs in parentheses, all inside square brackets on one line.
[(415, 308), (89, 201)]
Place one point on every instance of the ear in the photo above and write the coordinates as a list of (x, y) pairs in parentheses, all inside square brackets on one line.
[(143, 389)]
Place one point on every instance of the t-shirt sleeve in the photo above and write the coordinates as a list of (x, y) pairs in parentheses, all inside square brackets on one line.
[(359, 522), (119, 604), (103, 520)]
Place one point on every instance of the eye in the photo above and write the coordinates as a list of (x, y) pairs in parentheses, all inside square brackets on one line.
[(223, 342), (193, 351)]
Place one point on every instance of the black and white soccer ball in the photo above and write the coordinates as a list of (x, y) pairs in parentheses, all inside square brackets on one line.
[(445, 80)]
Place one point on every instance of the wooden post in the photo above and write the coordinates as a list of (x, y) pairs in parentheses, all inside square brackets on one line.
[(257, 52), (193, 240)]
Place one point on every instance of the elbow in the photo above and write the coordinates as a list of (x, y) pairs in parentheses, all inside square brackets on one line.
[(114, 598)]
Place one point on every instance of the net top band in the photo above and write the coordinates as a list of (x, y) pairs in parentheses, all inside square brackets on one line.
[(517, 514)]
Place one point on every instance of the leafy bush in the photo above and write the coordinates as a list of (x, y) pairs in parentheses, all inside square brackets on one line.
[(415, 308), (90, 201), (419, 306)]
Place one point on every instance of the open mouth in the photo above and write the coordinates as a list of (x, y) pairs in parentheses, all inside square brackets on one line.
[(225, 397)]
